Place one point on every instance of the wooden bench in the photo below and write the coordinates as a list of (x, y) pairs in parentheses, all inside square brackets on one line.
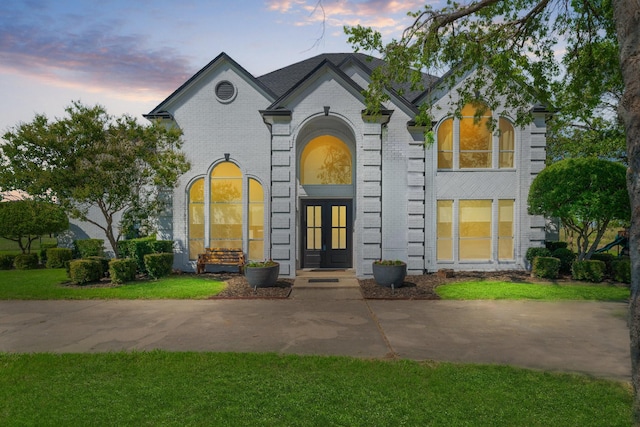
[(227, 257)]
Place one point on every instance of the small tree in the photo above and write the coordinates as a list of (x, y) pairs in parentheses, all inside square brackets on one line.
[(585, 194), (24, 221)]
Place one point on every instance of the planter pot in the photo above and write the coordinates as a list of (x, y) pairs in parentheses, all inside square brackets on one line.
[(389, 275), (262, 277)]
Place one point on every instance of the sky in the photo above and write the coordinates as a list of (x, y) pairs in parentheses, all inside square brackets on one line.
[(129, 55)]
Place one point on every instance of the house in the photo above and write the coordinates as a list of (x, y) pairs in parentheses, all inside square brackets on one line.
[(288, 167)]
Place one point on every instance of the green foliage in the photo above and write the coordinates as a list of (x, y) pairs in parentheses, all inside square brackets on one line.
[(389, 262), (621, 270), (95, 160), (585, 194), (25, 261), (534, 252), (259, 264), (6, 261), (589, 270), (158, 265), (122, 270), (552, 246), (608, 262), (136, 249), (83, 271), (89, 247), (42, 253), (566, 257), (546, 267), (161, 246), (24, 221), (104, 264), (57, 257)]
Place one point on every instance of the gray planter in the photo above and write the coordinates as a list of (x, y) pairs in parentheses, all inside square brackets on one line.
[(389, 275), (262, 277)]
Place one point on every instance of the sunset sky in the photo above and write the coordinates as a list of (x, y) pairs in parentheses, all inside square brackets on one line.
[(130, 55)]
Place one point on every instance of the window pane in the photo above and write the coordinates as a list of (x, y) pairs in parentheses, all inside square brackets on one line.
[(505, 229), (471, 109), (445, 160), (444, 250), (222, 243), (507, 144), (196, 218), (325, 160), (475, 137), (475, 249), (256, 250), (475, 230), (225, 209), (256, 220), (475, 159), (445, 144)]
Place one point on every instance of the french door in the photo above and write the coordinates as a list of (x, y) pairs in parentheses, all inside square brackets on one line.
[(327, 233)]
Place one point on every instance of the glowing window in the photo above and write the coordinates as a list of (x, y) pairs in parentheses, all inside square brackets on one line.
[(326, 160), (256, 220), (225, 209), (196, 218), (505, 229), (314, 227), (445, 144), (474, 230), (444, 250), (507, 144), (475, 137), (338, 227)]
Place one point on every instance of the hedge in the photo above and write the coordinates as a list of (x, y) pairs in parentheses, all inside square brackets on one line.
[(83, 271), (537, 251), (138, 248), (26, 261), (158, 265), (56, 257), (546, 267), (621, 270), (589, 270), (6, 261), (89, 247), (566, 257), (122, 270)]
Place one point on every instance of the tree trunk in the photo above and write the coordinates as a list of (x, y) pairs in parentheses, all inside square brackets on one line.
[(627, 20)]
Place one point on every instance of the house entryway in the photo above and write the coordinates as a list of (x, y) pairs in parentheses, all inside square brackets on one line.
[(327, 233), (325, 285)]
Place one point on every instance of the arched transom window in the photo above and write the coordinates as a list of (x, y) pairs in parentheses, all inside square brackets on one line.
[(468, 143), (326, 160)]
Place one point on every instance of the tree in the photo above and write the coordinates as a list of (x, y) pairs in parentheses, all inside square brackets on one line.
[(92, 160), (515, 44), (24, 221), (585, 194)]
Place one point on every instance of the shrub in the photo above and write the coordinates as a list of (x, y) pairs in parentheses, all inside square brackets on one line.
[(589, 270), (138, 248), (552, 246), (26, 261), (546, 267), (42, 253), (621, 270), (161, 246), (566, 257), (56, 257), (104, 264), (158, 265), (89, 247), (83, 271), (122, 270), (537, 251), (608, 262), (6, 261)]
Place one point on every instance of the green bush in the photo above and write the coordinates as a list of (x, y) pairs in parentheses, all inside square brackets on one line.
[(122, 270), (566, 257), (537, 251), (6, 261), (589, 270), (621, 270), (161, 246), (608, 262), (83, 271), (89, 247), (546, 267), (104, 264), (43, 251), (56, 257), (552, 246), (26, 261), (138, 248), (158, 265)]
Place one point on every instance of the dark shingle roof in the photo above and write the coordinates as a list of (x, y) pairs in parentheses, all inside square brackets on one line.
[(282, 80)]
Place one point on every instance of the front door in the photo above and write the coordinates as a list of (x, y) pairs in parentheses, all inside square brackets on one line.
[(327, 229)]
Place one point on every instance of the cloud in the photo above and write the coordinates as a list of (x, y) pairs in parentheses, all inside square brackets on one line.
[(87, 53)]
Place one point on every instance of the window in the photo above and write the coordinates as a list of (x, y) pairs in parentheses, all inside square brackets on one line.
[(475, 230), (326, 160), (225, 208), (256, 220), (444, 250), (196, 218), (468, 143)]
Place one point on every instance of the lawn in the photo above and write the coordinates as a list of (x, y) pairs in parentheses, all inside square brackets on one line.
[(167, 388), (535, 291), (45, 284)]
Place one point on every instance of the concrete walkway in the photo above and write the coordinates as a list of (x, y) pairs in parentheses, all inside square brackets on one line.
[(332, 318)]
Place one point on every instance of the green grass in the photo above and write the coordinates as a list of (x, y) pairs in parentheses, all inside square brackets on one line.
[(545, 292), (224, 389), (11, 247), (43, 284)]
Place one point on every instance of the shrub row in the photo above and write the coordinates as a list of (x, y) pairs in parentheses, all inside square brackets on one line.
[(121, 270), (138, 248)]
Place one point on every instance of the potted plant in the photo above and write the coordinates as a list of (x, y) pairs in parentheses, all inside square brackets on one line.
[(390, 273), (261, 274)]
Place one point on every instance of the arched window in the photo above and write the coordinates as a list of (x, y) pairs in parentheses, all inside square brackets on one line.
[(196, 218), (326, 160), (256, 220), (468, 143), (225, 208)]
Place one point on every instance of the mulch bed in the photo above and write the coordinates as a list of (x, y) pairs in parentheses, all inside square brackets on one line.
[(238, 288)]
